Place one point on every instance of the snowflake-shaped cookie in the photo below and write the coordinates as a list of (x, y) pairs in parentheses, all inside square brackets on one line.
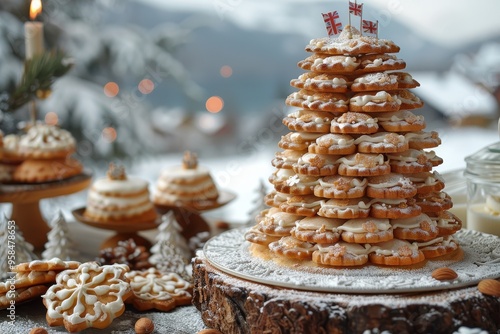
[(90, 296)]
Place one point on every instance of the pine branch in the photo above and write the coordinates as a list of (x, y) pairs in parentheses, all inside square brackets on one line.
[(40, 73)]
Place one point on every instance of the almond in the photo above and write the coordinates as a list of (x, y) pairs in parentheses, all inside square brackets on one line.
[(444, 274), (489, 287)]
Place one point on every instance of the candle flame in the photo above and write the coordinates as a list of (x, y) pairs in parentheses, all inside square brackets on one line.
[(35, 8)]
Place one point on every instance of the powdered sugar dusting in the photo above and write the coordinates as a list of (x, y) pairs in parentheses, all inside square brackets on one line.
[(480, 259)]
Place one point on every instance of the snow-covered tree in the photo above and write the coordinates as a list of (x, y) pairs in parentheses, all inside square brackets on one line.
[(59, 243), (169, 236)]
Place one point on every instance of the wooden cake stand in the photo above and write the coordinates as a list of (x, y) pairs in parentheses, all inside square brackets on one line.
[(25, 199)]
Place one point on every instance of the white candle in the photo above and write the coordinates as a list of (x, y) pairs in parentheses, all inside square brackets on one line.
[(33, 31)]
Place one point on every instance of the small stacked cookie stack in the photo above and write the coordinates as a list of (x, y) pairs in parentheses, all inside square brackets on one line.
[(354, 181)]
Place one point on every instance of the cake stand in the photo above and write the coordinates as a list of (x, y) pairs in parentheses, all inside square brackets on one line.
[(25, 199), (124, 229)]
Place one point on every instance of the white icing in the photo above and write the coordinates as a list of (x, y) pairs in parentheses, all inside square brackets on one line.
[(413, 222), (308, 157), (300, 137), (131, 185), (354, 182), (316, 222), (380, 137), (334, 139), (350, 248), (350, 160), (391, 248), (356, 225), (47, 137), (154, 284)]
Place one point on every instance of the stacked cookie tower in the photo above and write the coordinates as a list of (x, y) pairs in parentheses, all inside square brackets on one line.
[(353, 181)]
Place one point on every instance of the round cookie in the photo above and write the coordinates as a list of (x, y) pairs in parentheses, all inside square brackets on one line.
[(363, 164), (321, 82), (21, 295), (390, 186), (255, 236), (378, 63), (286, 181), (427, 182), (273, 222), (354, 123), (317, 229), (301, 205), (325, 63), (420, 140), (434, 201), (374, 102), (419, 228), (381, 142), (446, 222), (335, 144), (293, 248), (297, 141), (333, 102), (317, 164), (405, 80), (375, 82), (409, 162), (341, 187), (396, 253), (286, 158), (54, 264), (44, 141), (366, 230), (345, 208), (275, 198), (394, 208), (401, 121), (341, 254), (309, 121), (36, 171), (438, 247), (408, 100)]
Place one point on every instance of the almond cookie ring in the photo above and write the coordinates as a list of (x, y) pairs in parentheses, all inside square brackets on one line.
[(409, 162), (286, 181), (275, 199), (374, 102), (446, 221), (381, 142), (153, 289), (438, 247), (345, 208), (401, 121), (396, 253), (341, 254), (354, 123), (293, 248), (309, 121), (321, 82), (311, 100), (317, 164), (394, 208), (329, 64), (302, 205), (90, 296), (332, 143), (317, 229), (341, 187), (427, 182), (434, 201), (366, 230), (375, 82), (285, 159), (379, 63), (420, 140), (255, 236), (405, 80), (390, 186), (277, 223), (297, 141), (363, 164), (408, 100), (21, 295), (419, 228)]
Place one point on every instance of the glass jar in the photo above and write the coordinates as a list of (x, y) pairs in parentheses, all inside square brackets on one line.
[(483, 190)]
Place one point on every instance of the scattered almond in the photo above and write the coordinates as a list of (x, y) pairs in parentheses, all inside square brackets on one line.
[(489, 287), (444, 274), (144, 326), (209, 331), (38, 330)]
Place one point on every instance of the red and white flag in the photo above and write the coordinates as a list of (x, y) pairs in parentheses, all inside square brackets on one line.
[(332, 26), (355, 9), (370, 27)]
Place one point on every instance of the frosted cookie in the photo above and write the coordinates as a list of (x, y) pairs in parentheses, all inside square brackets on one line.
[(350, 41), (255, 236), (21, 295), (54, 264), (420, 140), (381, 142), (336, 144), (401, 121), (411, 161), (434, 201), (28, 279), (446, 222), (286, 181), (316, 164), (366, 230), (408, 100), (153, 289), (317, 229), (298, 141), (275, 199), (44, 141), (427, 182), (341, 187), (333, 102), (405, 80), (379, 63), (390, 186), (394, 208), (345, 208), (433, 158), (277, 223), (309, 121), (324, 63), (375, 82), (363, 164), (396, 253), (341, 254), (286, 158), (374, 102), (90, 296), (293, 248), (354, 123), (438, 247), (301, 205), (36, 171), (321, 82), (420, 228)]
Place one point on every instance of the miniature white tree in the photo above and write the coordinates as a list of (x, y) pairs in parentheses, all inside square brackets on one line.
[(259, 204), (169, 236), (59, 243)]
